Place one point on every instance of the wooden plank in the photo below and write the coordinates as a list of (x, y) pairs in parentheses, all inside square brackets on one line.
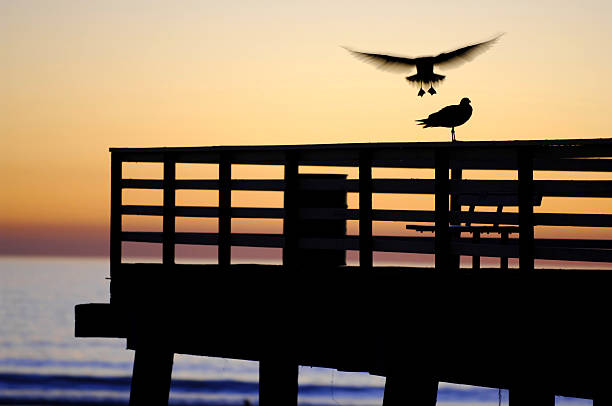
[(403, 215), (526, 217), (540, 219), (574, 254), (115, 209), (142, 184), (416, 186), (575, 220), (258, 212), (558, 188), (329, 243), (290, 204), (415, 245), (476, 187), (259, 184), (168, 210), (196, 211), (365, 210), (115, 216), (574, 188), (492, 199), (484, 248), (142, 236), (573, 165), (573, 243), (225, 205), (136, 155), (577, 150), (455, 206), (476, 217), (260, 240), (442, 191), (197, 238), (197, 184), (140, 210)]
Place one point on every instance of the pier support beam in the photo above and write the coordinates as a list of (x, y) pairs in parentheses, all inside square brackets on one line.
[(278, 382), (410, 390), (151, 377), (528, 396), (602, 400)]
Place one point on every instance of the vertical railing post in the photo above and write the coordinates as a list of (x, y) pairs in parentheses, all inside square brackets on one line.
[(526, 217), (442, 190), (290, 205), (455, 207), (366, 259), (169, 185), (225, 207), (116, 192)]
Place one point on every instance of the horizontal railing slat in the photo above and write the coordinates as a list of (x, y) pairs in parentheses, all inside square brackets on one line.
[(573, 243), (142, 184), (574, 188), (573, 254), (558, 188), (196, 211), (574, 220), (142, 210), (141, 236), (541, 219), (573, 164)]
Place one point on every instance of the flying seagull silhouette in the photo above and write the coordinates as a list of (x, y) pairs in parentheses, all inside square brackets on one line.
[(425, 64), (450, 116)]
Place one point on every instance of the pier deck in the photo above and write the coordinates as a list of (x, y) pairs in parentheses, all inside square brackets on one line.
[(537, 332)]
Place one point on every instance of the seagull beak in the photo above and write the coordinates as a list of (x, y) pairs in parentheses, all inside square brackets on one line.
[(421, 92), (432, 91)]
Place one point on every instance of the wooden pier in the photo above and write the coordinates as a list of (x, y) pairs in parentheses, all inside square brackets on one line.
[(537, 332)]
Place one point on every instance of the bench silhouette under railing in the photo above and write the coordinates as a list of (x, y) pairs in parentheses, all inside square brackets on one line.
[(473, 200)]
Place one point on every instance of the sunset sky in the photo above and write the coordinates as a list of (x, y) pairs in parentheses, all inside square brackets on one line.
[(78, 77)]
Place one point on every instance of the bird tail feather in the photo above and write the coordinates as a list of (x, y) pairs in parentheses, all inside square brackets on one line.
[(423, 122), (433, 79)]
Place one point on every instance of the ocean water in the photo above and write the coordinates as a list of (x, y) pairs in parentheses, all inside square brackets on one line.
[(42, 363)]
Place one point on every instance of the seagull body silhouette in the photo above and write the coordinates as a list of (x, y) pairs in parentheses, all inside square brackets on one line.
[(425, 74), (450, 116)]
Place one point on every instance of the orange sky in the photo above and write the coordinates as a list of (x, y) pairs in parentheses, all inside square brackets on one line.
[(77, 77)]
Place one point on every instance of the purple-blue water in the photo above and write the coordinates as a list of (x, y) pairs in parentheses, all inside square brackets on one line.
[(41, 363)]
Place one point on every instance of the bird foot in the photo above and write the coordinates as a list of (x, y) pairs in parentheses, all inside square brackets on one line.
[(421, 92), (432, 91)]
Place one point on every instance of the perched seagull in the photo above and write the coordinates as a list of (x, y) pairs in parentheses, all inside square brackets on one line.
[(450, 116), (425, 64)]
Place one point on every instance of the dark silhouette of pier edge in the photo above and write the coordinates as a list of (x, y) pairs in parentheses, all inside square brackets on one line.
[(536, 332)]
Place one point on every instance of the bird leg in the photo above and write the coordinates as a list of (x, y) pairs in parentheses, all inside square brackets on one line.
[(432, 91), (453, 134), (421, 92)]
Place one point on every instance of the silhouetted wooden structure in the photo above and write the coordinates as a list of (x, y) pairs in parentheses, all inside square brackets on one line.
[(538, 333)]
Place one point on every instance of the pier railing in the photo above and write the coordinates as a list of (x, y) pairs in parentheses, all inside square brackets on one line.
[(449, 162)]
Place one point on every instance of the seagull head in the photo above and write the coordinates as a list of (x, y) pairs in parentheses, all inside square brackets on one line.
[(465, 101)]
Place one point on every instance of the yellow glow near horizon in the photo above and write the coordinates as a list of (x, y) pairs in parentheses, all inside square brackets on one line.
[(78, 77)]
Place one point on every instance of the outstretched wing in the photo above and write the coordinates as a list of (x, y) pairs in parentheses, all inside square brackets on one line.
[(385, 62), (465, 54)]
